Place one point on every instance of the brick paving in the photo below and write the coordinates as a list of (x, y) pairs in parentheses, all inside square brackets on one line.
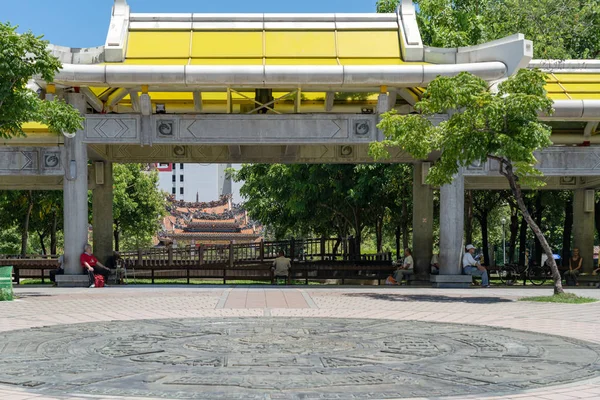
[(496, 307)]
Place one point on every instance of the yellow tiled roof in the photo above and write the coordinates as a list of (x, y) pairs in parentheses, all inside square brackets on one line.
[(579, 86), (319, 47)]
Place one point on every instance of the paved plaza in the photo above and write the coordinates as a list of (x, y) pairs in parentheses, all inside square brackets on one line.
[(296, 343)]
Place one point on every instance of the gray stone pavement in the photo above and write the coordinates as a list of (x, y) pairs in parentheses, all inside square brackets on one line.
[(496, 307)]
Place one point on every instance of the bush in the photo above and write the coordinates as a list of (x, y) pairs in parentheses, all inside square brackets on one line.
[(6, 294)]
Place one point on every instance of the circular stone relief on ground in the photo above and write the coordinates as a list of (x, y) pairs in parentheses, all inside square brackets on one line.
[(277, 358)]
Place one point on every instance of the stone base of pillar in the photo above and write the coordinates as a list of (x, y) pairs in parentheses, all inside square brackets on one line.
[(451, 281), (72, 280)]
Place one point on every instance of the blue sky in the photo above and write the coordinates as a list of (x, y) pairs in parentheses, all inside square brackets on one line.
[(84, 23)]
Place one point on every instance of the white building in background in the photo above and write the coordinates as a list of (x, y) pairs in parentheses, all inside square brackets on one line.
[(197, 182)]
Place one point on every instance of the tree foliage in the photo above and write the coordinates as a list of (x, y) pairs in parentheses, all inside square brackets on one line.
[(138, 205), (481, 125), (23, 56), (323, 199), (559, 29)]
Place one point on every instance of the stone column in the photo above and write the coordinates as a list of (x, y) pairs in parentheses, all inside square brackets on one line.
[(452, 204), (102, 210), (383, 106), (75, 194), (583, 226), (422, 222)]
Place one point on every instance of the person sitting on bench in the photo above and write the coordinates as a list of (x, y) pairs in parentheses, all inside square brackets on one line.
[(575, 263), (406, 269), (59, 271), (281, 266), (473, 267), (92, 266)]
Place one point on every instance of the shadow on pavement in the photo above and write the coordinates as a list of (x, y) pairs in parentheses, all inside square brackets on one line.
[(429, 298), (21, 295)]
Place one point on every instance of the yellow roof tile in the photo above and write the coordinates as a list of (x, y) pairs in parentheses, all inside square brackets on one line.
[(313, 44), (153, 44), (227, 44), (577, 86), (368, 44)]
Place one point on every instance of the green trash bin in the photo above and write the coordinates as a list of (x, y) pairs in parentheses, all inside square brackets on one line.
[(6, 289)]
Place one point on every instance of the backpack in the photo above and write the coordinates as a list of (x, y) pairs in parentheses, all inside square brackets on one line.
[(98, 281)]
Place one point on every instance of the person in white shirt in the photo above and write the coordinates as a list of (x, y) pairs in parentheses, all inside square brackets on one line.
[(406, 268), (473, 267)]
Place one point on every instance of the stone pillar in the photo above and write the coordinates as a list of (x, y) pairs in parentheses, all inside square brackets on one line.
[(452, 208), (422, 222), (583, 226), (102, 210), (75, 193), (383, 106)]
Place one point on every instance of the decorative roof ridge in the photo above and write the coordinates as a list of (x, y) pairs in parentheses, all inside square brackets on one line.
[(568, 66)]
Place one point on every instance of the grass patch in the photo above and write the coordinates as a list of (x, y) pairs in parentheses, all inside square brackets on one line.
[(569, 298), (6, 294), (35, 282)]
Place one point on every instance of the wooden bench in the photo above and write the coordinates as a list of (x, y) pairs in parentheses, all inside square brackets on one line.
[(257, 271), (30, 268)]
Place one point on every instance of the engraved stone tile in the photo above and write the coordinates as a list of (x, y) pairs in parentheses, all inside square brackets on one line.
[(276, 358)]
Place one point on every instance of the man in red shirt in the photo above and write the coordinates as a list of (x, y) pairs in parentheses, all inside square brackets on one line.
[(92, 266)]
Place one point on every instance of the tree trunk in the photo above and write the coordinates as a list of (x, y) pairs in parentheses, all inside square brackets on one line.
[(522, 241), (25, 227), (483, 221), (53, 241), (398, 233), (567, 230), (514, 231), (538, 250), (469, 216), (379, 234), (358, 242), (404, 227), (516, 190), (116, 235), (597, 216), (42, 245)]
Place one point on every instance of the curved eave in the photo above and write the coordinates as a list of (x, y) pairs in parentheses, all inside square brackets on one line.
[(270, 76), (577, 110)]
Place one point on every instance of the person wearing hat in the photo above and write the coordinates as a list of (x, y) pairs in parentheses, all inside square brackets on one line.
[(473, 267)]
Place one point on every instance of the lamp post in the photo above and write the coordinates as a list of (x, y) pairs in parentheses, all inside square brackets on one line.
[(503, 241)]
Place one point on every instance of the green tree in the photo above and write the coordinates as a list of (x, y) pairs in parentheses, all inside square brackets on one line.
[(484, 202), (320, 199), (138, 205), (502, 126), (559, 29), (24, 56), (46, 218), (16, 207)]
